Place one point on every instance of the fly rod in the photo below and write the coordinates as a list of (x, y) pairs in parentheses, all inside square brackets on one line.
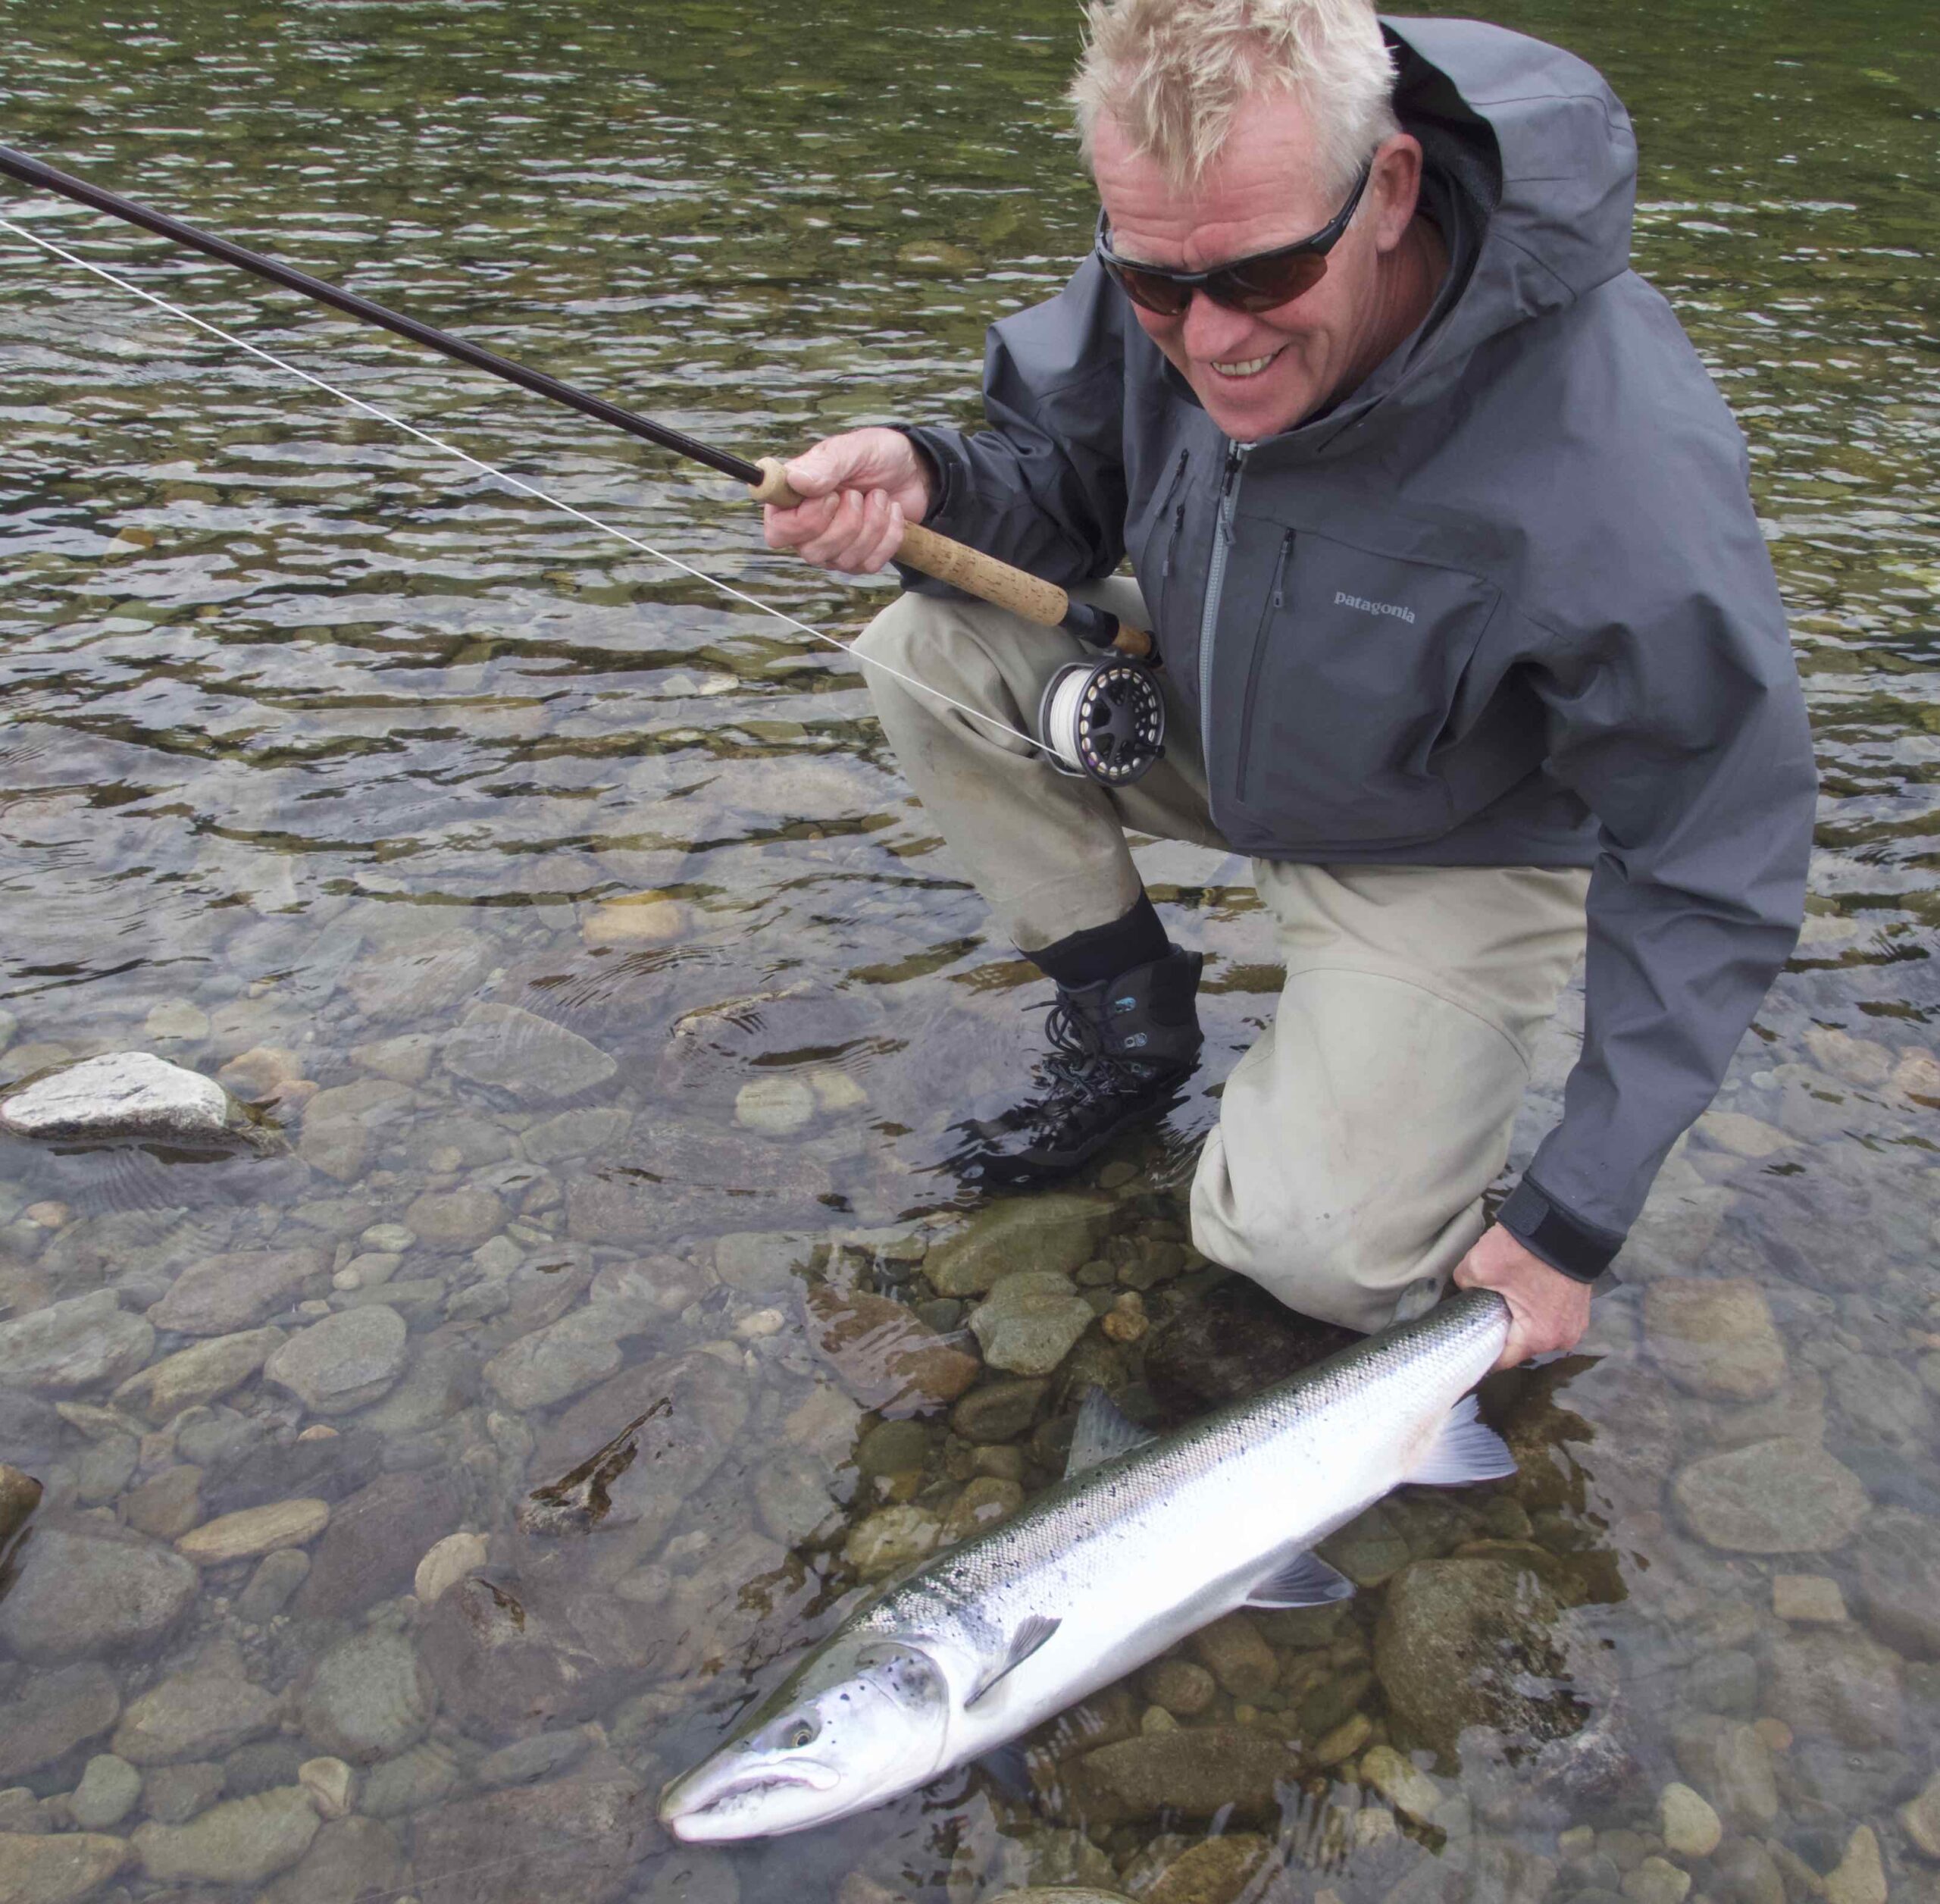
[(962, 567)]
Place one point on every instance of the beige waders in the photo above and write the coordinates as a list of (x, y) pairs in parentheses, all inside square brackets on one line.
[(1357, 1137)]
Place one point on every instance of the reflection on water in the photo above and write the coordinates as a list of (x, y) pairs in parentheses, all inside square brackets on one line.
[(418, 1498)]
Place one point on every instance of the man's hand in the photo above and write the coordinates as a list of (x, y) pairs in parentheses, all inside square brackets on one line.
[(862, 487), (1546, 1309)]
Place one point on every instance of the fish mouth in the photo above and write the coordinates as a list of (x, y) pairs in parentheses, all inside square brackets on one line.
[(705, 1801)]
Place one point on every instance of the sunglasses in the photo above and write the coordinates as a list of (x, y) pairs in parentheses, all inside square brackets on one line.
[(1260, 282)]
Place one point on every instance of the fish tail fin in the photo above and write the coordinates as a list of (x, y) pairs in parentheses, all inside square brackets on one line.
[(1466, 1449)]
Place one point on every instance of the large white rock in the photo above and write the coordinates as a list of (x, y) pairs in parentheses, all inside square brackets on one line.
[(121, 1094)]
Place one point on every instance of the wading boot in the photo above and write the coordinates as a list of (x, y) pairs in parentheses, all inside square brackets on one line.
[(1120, 1051)]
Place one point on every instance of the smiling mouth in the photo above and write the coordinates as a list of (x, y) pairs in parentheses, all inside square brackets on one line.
[(1246, 367)]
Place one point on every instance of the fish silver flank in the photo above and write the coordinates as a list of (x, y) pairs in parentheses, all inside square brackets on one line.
[(1144, 1541)]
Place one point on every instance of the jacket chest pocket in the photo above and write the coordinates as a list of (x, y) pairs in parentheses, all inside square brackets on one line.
[(1349, 695), (1168, 549)]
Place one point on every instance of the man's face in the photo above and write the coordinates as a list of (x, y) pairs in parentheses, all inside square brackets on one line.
[(1260, 372)]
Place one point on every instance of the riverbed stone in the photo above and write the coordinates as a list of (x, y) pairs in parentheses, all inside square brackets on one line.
[(1920, 1818), (445, 1563), (52, 1712), (1729, 1764), (61, 1868), (342, 1126), (350, 1861), (1030, 1321), (580, 1837), (887, 1358), (1182, 1686), (338, 1364), (1860, 1877), (107, 1793), (456, 1221), (254, 1531), (228, 1294), (528, 1057), (1193, 1772), (1233, 1651), (174, 1794), (1898, 1587), (121, 1095), (369, 1698), (241, 1841), (1689, 1826), (561, 1359), (1216, 1871), (1838, 1682), (276, 1577), (1773, 1497), (421, 976), (575, 1133), (69, 1346), (203, 1373), (1468, 1641), (87, 1586), (890, 1538), (19, 1495), (1402, 1783), (998, 1411), (1054, 1234), (394, 1788), (776, 1105), (371, 1547), (200, 1714), (1715, 1339)]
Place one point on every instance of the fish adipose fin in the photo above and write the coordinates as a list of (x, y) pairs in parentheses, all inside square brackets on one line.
[(1467, 1450), (1103, 1430), (1031, 1633), (1305, 1579)]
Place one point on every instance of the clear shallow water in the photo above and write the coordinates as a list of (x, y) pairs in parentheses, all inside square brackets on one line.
[(312, 741)]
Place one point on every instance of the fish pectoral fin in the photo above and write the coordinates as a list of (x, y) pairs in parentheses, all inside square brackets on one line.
[(1304, 1580), (1031, 1633), (1103, 1430), (1467, 1449)]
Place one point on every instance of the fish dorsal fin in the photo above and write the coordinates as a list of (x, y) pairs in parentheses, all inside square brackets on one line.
[(1103, 1430), (1032, 1631), (1467, 1449), (1302, 1580)]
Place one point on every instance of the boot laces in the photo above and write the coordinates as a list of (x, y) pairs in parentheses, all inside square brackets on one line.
[(1078, 1072)]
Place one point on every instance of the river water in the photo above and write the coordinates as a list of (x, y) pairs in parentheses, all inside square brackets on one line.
[(570, 920)]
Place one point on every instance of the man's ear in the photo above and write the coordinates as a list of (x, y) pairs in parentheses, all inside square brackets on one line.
[(1395, 188)]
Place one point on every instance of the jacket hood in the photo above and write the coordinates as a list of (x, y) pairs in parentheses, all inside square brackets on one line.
[(1559, 154), (1541, 153)]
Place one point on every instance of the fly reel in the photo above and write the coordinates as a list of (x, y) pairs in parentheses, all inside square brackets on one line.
[(1102, 720)]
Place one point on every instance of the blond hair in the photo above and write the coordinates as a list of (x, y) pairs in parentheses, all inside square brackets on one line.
[(1170, 74)]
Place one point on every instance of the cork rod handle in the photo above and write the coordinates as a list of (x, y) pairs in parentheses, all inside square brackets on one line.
[(964, 567)]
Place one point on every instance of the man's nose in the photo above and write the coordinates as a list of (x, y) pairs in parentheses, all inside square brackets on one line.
[(1211, 330)]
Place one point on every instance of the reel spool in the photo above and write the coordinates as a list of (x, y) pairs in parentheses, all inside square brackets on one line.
[(1102, 720)]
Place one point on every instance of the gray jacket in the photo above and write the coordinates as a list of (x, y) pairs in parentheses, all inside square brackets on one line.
[(1507, 604)]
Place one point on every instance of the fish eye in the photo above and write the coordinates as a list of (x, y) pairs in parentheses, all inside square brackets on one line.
[(801, 1733)]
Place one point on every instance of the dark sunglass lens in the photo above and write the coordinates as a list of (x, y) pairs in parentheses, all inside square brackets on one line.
[(1157, 294), (1270, 282)]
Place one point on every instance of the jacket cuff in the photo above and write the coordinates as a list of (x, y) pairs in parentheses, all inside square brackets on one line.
[(1564, 1242)]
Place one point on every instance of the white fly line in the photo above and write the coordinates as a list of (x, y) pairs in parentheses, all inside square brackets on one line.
[(516, 483)]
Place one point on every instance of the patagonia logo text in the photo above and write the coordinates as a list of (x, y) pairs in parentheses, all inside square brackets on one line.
[(1401, 614)]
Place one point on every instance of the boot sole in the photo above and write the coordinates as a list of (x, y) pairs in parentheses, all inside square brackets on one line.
[(1030, 1167)]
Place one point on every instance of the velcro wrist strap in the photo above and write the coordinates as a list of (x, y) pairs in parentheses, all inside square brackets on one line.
[(1564, 1242)]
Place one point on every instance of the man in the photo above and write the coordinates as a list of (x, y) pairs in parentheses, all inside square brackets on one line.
[(1466, 626)]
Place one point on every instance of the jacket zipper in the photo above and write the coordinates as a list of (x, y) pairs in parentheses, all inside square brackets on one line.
[(1216, 583), (1178, 517), (1276, 598)]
